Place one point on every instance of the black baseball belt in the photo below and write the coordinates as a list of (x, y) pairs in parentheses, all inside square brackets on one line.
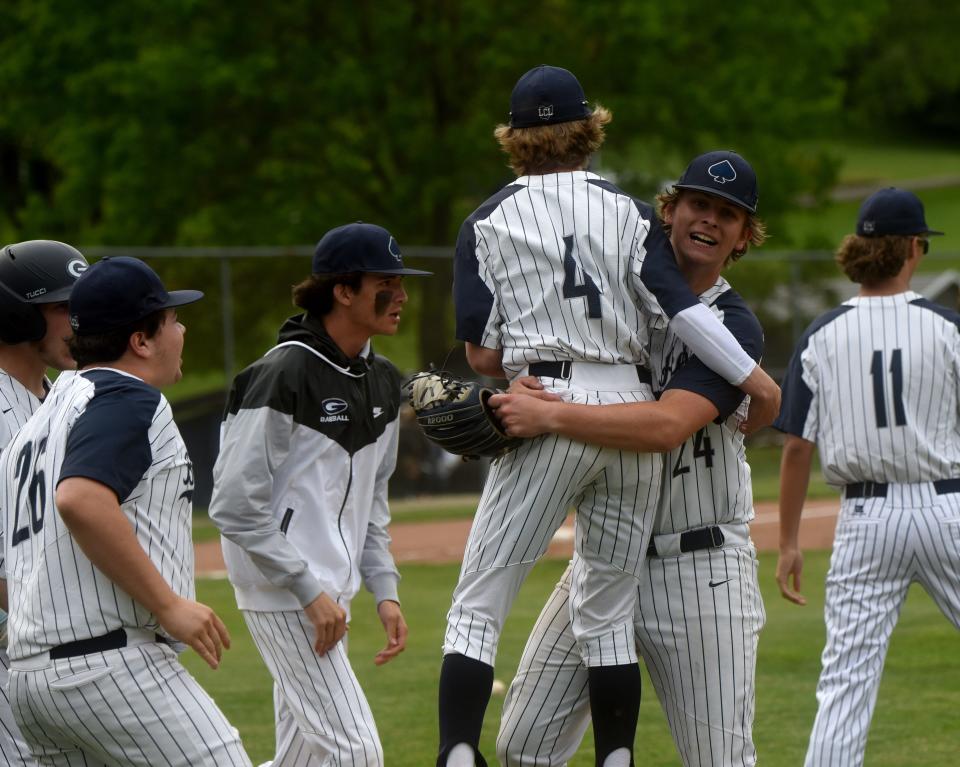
[(879, 489), (112, 640), (564, 369), (694, 540)]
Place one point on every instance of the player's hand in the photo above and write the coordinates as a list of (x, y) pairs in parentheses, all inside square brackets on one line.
[(789, 569), (396, 627), (329, 620), (197, 625), (522, 416), (764, 400), (531, 386)]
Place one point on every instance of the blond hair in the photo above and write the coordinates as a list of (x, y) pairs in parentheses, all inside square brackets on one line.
[(546, 148), (755, 225)]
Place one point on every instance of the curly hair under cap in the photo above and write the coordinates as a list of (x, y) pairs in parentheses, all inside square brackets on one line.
[(545, 148), (869, 260), (758, 229)]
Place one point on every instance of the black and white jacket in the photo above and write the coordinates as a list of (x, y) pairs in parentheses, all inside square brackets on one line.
[(308, 443)]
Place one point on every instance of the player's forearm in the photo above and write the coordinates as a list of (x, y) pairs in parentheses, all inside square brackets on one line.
[(102, 531), (484, 361), (795, 465), (645, 427)]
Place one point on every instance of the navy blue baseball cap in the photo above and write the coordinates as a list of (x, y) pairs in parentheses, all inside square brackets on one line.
[(892, 211), (725, 174), (545, 96), (359, 247), (118, 291)]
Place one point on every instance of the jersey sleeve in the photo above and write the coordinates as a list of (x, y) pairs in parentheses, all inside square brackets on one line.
[(696, 377), (699, 328), (798, 413), (110, 442), (474, 301)]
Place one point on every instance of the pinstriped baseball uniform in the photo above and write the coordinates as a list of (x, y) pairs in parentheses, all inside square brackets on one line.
[(699, 612), (16, 406), (876, 384), (566, 267), (135, 705)]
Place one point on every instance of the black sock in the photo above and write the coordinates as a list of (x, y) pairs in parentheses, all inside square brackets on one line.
[(464, 693), (615, 706)]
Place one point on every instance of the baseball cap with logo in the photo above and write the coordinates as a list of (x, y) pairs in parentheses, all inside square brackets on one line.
[(546, 96), (118, 291), (359, 247), (892, 211), (725, 174)]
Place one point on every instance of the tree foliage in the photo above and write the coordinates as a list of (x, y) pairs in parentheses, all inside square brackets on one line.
[(245, 123)]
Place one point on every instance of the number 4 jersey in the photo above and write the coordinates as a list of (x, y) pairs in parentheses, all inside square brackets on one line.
[(867, 384), (110, 427), (706, 479), (566, 266)]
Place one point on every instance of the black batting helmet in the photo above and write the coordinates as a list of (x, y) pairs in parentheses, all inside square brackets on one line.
[(31, 273)]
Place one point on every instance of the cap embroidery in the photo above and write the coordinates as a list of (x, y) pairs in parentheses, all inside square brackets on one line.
[(394, 249), (545, 111), (722, 172)]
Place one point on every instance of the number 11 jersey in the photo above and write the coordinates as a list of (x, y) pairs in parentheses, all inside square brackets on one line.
[(876, 384)]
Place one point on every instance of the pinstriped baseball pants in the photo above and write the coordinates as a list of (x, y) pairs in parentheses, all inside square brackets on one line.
[(323, 718), (698, 642), (882, 545), (136, 706), (526, 497), (13, 750)]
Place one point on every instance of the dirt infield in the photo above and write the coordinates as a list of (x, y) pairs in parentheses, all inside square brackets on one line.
[(440, 542)]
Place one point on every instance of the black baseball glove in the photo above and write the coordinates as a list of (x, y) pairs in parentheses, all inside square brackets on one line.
[(454, 414)]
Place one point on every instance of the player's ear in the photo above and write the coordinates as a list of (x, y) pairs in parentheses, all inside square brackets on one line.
[(139, 344), (343, 294), (745, 237), (667, 212)]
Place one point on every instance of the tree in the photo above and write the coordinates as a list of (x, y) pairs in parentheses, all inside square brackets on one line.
[(142, 123)]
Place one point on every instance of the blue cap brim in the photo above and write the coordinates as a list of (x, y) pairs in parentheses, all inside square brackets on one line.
[(181, 298), (717, 193), (403, 270)]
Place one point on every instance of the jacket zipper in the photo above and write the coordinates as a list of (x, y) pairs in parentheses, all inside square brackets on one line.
[(285, 522), (343, 505)]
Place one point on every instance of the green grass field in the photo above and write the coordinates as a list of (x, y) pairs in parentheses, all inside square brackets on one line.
[(915, 722)]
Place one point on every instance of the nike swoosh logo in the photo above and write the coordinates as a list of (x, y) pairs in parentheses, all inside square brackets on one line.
[(714, 584), (377, 412)]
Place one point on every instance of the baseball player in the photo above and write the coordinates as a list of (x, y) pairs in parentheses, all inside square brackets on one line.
[(559, 275), (97, 518), (35, 281), (308, 445), (874, 385), (699, 609)]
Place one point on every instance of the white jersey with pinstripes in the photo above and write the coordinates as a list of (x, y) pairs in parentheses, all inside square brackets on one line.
[(111, 427), (556, 256), (876, 384), (707, 479), (17, 404), (699, 613), (566, 266)]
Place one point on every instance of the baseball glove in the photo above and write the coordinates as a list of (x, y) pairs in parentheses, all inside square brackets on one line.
[(454, 414)]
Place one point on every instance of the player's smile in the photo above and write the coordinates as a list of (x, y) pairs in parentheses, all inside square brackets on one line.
[(705, 225)]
